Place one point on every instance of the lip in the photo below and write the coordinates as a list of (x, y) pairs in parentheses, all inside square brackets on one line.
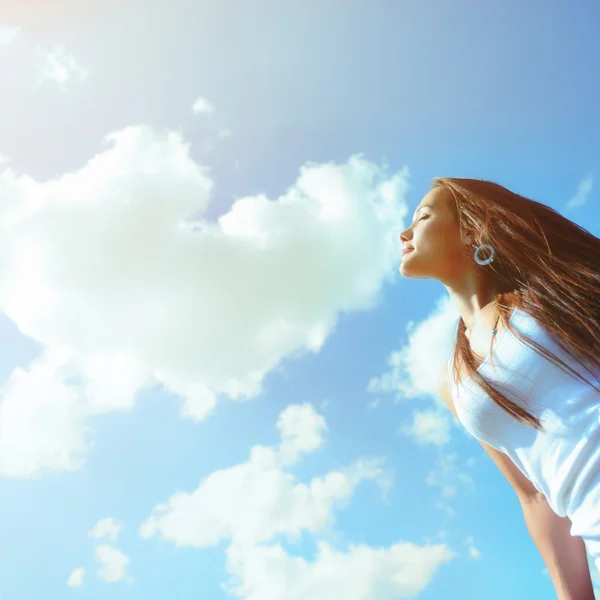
[(407, 250)]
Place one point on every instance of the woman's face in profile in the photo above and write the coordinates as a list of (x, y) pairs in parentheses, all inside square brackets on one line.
[(437, 249)]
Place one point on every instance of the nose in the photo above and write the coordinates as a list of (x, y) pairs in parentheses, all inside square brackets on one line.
[(403, 237)]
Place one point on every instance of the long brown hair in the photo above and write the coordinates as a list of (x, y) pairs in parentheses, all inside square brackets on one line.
[(544, 264)]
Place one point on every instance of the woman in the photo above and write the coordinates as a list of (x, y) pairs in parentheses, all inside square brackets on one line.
[(524, 375)]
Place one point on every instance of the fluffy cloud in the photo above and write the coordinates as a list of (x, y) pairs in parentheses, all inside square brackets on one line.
[(113, 563), (254, 501), (103, 269), (301, 429), (41, 419), (251, 504), (106, 528), (414, 369), (76, 578), (60, 68), (401, 571)]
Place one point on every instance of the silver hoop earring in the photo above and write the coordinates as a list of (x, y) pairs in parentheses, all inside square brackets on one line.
[(486, 261)]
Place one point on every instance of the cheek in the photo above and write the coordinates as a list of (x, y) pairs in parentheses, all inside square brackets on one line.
[(442, 240), (433, 236)]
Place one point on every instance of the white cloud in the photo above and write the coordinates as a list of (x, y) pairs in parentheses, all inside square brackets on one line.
[(41, 419), (251, 504), (113, 563), (415, 368), (584, 190), (8, 34), (224, 133), (301, 429), (202, 105), (92, 257), (430, 426), (254, 501), (60, 67), (76, 578), (402, 570), (106, 528)]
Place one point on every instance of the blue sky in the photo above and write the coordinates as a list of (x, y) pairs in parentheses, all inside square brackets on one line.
[(244, 406)]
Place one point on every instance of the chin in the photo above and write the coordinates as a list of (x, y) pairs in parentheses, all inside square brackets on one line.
[(408, 270), (411, 275)]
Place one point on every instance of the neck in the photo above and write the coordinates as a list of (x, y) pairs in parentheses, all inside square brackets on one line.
[(475, 299)]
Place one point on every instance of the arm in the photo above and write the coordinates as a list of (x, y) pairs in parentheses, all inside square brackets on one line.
[(564, 555)]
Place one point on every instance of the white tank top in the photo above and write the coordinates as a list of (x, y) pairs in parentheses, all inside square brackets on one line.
[(562, 462)]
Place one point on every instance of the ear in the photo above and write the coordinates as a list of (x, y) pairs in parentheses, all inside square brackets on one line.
[(468, 239)]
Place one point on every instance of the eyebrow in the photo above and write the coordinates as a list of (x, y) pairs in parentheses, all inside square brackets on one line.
[(420, 208)]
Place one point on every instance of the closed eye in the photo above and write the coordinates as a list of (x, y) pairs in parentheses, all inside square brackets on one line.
[(423, 217)]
